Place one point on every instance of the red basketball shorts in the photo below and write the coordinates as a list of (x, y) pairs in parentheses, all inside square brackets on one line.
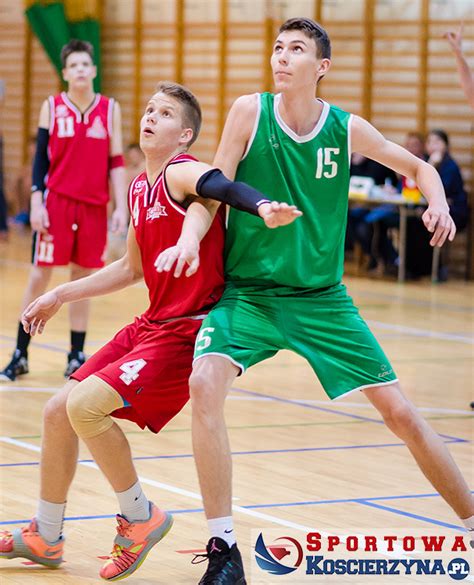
[(77, 233), (149, 365)]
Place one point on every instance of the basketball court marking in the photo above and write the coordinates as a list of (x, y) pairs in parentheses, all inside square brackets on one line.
[(331, 411), (248, 510), (236, 453)]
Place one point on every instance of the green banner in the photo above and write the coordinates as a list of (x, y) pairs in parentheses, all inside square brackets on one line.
[(50, 25), (89, 30)]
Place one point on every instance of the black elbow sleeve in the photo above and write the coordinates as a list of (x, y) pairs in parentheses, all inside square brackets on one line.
[(215, 185), (41, 161)]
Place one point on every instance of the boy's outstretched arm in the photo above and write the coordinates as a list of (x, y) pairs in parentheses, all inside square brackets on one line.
[(115, 276), (368, 141), (208, 187)]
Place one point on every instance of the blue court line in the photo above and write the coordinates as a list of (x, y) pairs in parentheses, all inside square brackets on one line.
[(258, 452), (329, 410), (277, 398), (365, 501), (37, 344), (408, 514)]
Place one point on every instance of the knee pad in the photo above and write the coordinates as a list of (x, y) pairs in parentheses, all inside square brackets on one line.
[(89, 405)]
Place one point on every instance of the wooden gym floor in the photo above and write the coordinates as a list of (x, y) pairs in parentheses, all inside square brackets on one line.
[(300, 462)]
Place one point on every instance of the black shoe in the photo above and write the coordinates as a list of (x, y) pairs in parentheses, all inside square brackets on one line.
[(17, 367), (225, 564), (75, 359)]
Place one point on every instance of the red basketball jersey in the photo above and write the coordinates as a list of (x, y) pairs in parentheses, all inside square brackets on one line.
[(79, 145), (158, 220)]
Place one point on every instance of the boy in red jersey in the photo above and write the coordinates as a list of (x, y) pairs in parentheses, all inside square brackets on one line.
[(79, 147), (142, 374)]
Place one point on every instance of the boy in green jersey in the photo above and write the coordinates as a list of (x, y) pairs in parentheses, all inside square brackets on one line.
[(283, 288)]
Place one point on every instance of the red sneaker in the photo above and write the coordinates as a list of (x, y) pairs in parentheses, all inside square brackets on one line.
[(29, 544), (133, 542)]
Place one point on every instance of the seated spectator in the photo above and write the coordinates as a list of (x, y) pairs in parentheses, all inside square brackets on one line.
[(420, 253), (415, 143), (437, 147), (362, 220)]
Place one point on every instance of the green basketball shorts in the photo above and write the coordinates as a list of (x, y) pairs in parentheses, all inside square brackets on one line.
[(322, 326)]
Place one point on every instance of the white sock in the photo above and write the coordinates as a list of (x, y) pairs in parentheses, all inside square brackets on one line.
[(222, 528), (469, 524), (50, 518), (133, 503)]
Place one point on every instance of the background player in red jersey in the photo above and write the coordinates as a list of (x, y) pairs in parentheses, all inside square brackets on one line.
[(142, 373), (79, 146)]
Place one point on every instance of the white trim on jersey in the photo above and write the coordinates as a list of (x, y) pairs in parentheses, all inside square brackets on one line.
[(349, 138), (288, 131), (255, 126), (152, 191), (178, 159), (110, 117), (72, 107), (130, 191), (364, 387), (91, 108), (52, 114), (224, 355)]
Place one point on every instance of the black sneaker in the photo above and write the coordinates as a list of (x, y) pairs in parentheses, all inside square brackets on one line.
[(17, 367), (75, 359), (225, 564)]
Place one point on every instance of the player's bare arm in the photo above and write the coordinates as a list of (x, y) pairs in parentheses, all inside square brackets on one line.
[(39, 218), (196, 178), (371, 143), (113, 277), (238, 130), (117, 174), (236, 134), (454, 38)]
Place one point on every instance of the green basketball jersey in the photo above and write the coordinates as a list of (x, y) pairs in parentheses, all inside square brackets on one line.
[(311, 172)]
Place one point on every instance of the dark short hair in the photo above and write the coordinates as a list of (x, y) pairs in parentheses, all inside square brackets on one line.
[(76, 46), (314, 31), (440, 134), (192, 116)]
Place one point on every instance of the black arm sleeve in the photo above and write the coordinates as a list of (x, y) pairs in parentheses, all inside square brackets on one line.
[(214, 185), (41, 161)]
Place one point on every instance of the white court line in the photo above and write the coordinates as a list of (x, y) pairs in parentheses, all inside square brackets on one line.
[(28, 389), (397, 552), (345, 404), (422, 332)]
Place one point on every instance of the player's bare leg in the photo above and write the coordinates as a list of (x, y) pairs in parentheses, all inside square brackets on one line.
[(209, 385), (79, 311), (78, 319), (59, 448), (42, 542), (37, 284), (111, 451), (428, 449), (141, 524)]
